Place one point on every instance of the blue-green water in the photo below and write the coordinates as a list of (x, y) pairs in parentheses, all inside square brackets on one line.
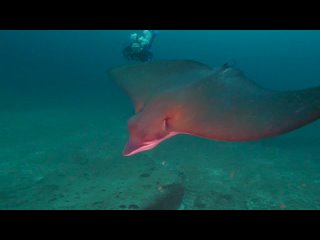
[(63, 126)]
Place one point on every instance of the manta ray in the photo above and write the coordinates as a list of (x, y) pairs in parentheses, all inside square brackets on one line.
[(188, 97)]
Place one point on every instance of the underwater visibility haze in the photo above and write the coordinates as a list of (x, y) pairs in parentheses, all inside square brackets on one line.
[(169, 119)]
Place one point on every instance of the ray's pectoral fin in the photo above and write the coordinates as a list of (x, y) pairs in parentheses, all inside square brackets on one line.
[(230, 107), (144, 81), (254, 115), (285, 111), (295, 109)]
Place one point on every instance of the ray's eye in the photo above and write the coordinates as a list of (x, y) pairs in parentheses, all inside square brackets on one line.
[(165, 124)]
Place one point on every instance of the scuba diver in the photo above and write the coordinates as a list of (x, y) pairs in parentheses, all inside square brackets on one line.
[(140, 47)]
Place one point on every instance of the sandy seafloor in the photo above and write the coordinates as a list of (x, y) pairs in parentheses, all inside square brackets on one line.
[(67, 158)]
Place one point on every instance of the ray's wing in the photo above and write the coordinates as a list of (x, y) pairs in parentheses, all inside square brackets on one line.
[(144, 81), (228, 106)]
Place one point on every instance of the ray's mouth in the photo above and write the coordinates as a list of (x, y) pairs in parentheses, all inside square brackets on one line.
[(132, 148)]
